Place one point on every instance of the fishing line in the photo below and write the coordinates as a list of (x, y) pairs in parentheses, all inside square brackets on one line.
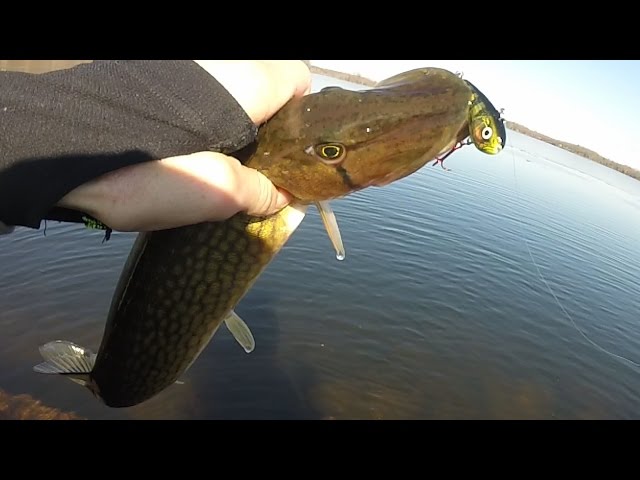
[(544, 280)]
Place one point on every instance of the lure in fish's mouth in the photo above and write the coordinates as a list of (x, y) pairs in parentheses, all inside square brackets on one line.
[(485, 127)]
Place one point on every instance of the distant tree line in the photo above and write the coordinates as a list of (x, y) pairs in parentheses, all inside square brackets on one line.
[(359, 79), (577, 149)]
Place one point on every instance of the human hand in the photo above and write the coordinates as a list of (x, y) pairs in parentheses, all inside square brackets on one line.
[(261, 87), (204, 186)]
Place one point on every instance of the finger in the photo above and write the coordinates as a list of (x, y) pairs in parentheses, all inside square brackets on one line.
[(261, 87), (259, 196), (286, 79)]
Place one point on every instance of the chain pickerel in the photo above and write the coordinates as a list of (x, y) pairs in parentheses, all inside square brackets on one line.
[(179, 285)]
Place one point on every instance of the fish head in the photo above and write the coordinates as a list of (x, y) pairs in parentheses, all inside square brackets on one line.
[(336, 141)]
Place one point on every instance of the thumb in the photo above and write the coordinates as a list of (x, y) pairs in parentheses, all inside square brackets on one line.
[(260, 196)]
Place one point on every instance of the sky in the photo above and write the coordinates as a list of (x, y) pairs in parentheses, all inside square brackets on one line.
[(592, 103)]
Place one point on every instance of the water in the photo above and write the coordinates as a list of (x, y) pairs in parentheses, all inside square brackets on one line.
[(436, 312)]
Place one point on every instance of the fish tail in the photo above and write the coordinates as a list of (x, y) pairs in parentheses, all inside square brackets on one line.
[(66, 358)]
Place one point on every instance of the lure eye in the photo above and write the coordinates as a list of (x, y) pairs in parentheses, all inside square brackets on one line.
[(486, 133), (330, 153)]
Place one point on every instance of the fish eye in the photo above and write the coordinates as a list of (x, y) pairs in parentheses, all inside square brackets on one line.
[(486, 133), (330, 153)]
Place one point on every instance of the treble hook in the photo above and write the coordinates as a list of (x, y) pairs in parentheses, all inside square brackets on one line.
[(440, 160)]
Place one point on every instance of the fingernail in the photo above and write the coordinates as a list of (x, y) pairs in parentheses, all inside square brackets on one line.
[(283, 199)]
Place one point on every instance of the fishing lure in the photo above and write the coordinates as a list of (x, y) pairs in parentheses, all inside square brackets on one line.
[(94, 224), (486, 127)]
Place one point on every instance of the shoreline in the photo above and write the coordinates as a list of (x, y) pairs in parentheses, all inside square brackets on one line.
[(348, 77), (516, 127)]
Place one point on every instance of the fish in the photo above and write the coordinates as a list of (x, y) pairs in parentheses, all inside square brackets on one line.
[(178, 286), (485, 128)]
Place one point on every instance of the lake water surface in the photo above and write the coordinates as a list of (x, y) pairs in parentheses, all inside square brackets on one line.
[(437, 312)]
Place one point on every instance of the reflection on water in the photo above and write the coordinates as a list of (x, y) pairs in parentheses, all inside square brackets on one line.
[(437, 311), (25, 407)]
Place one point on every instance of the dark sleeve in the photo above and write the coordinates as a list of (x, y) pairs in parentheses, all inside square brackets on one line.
[(61, 129)]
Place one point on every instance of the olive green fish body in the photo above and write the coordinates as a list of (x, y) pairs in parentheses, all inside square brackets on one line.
[(179, 285), (175, 291)]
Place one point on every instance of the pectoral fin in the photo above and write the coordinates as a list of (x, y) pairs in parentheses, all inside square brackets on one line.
[(331, 225), (240, 331)]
